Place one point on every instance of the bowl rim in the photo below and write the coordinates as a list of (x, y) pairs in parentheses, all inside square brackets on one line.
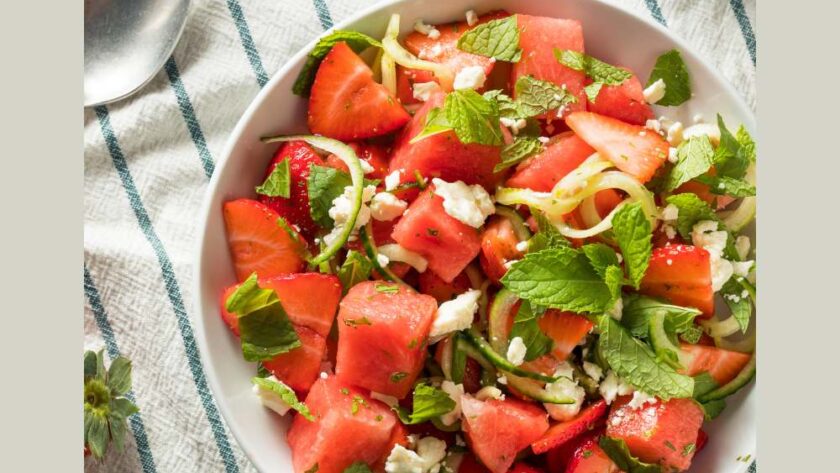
[(236, 134)]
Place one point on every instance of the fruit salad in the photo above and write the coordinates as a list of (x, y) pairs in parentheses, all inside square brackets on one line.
[(495, 252)]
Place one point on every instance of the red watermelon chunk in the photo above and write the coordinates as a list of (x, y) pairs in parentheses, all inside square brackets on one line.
[(498, 247), (624, 101), (300, 367), (349, 426), (659, 432), (498, 430), (722, 365), (429, 283), (442, 155), (382, 331), (589, 457), (447, 243), (538, 37), (563, 155), (310, 299), (681, 274), (566, 329)]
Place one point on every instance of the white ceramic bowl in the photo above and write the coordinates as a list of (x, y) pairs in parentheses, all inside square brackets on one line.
[(612, 34)]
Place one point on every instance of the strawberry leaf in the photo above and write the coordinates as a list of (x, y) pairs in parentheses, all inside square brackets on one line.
[(119, 376)]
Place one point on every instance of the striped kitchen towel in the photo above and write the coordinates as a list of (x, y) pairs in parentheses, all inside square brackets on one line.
[(148, 160)]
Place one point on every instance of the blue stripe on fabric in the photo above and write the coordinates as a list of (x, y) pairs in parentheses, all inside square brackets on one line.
[(323, 12), (189, 116), (137, 426), (247, 41), (656, 12), (172, 288), (746, 27)]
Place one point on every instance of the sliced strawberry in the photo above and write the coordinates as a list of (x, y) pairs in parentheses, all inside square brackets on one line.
[(257, 243), (591, 458), (309, 299), (681, 274), (295, 209), (347, 104), (228, 317), (498, 247), (722, 365), (373, 154), (563, 155), (625, 102), (442, 291), (702, 440), (563, 432), (633, 149), (566, 329), (300, 366)]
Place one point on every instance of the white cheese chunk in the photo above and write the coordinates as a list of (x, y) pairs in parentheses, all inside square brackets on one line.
[(654, 92), (271, 399), (423, 90), (468, 204), (392, 181), (675, 134), (490, 392), (516, 351), (395, 252), (455, 315), (612, 386), (342, 207), (455, 391), (421, 27), (593, 370), (472, 17), (385, 206), (705, 235), (742, 246), (566, 386), (640, 399), (471, 77), (670, 213), (514, 125)]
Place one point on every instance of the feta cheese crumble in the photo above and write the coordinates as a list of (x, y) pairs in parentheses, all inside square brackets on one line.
[(270, 399), (566, 386), (392, 181), (385, 206), (593, 370), (342, 207), (654, 92), (472, 17), (670, 213), (455, 315), (468, 204), (700, 129), (675, 134), (423, 90), (471, 77), (366, 167), (742, 268), (455, 391), (490, 392), (654, 125), (742, 246), (522, 246), (516, 351), (612, 386), (395, 252), (382, 260), (427, 458), (421, 27), (705, 234), (673, 157), (514, 125), (640, 399)]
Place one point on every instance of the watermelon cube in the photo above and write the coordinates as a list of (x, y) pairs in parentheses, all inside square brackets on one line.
[(563, 155), (300, 367), (681, 274), (662, 432), (498, 430), (624, 101), (382, 332), (442, 155), (589, 457), (447, 243), (538, 37), (349, 427)]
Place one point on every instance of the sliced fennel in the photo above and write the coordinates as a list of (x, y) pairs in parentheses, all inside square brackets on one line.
[(739, 218), (396, 252), (389, 72), (721, 328), (357, 176), (401, 56), (520, 228)]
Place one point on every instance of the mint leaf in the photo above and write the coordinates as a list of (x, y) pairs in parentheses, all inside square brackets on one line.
[(428, 402), (636, 363), (735, 153), (671, 69), (508, 107), (358, 42), (278, 183), (727, 186), (264, 328), (526, 326), (592, 90), (691, 210), (535, 97), (703, 384), (639, 309), (713, 409), (436, 122), (614, 279), (695, 157), (596, 70), (620, 454), (119, 376), (355, 269), (561, 278), (739, 303), (497, 38), (357, 467), (547, 234), (747, 144), (600, 257), (521, 149), (474, 118), (633, 232), (324, 185), (286, 394)]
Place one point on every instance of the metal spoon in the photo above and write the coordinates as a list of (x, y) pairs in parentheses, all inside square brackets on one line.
[(126, 44)]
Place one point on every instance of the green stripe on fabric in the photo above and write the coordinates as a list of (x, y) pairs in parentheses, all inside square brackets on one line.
[(172, 288), (656, 12), (323, 12), (147, 460), (188, 112), (744, 24), (247, 41)]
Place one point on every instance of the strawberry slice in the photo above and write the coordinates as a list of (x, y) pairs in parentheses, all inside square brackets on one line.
[(347, 104), (723, 365), (563, 432), (633, 149), (567, 329), (681, 274), (591, 458), (624, 101), (257, 243), (498, 247), (295, 209)]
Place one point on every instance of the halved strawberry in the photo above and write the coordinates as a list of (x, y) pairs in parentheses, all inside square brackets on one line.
[(591, 458), (681, 274), (295, 209), (257, 243), (563, 432), (633, 149), (624, 101), (722, 365), (567, 329), (347, 104), (498, 247), (228, 317), (373, 154)]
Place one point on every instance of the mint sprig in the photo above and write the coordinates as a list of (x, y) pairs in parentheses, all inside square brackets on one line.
[(695, 157), (497, 39), (324, 184), (639, 309), (633, 232), (473, 118), (355, 269), (278, 183), (358, 42), (672, 70), (428, 402), (737, 298), (521, 149), (735, 152), (535, 97), (722, 185), (106, 408), (599, 71)]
